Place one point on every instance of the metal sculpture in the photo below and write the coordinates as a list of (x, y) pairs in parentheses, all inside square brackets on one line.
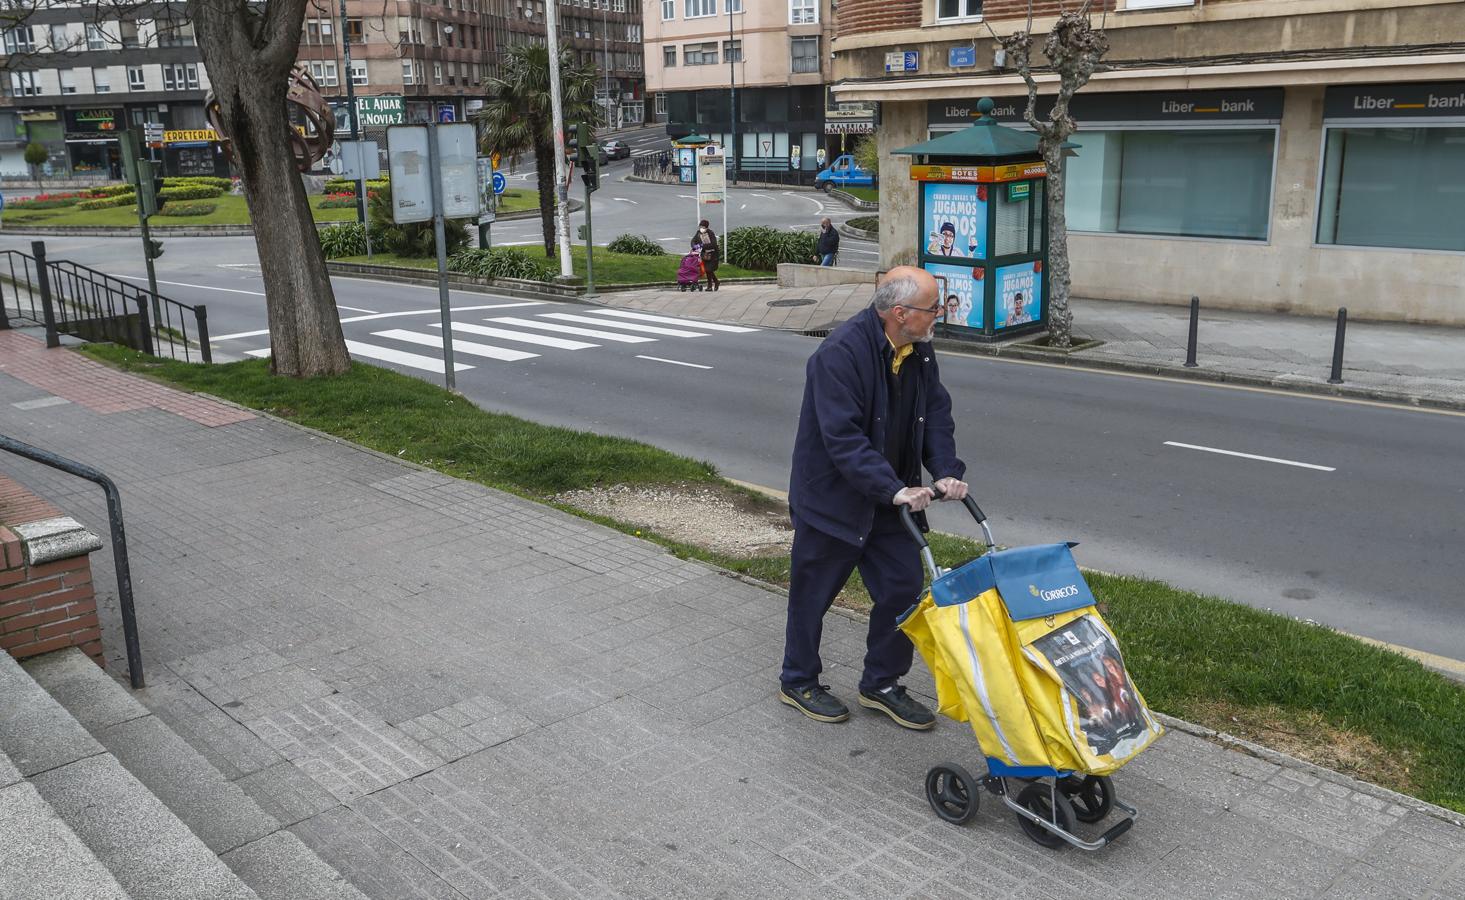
[(310, 141)]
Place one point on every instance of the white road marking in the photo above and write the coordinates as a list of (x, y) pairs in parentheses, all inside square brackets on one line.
[(763, 196), (624, 200), (686, 197), (412, 360), (571, 329), (391, 315), (355, 309), (471, 348), (648, 329), (805, 197), (668, 320), (540, 340), (200, 287), (1270, 459), (672, 361), (742, 207)]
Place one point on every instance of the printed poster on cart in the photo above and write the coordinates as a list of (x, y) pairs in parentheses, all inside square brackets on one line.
[(956, 219), (1019, 294), (961, 294), (1110, 713)]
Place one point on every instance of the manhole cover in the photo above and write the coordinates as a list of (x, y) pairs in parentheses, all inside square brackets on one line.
[(796, 301)]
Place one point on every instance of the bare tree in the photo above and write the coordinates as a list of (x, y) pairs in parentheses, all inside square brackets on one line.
[(250, 49), (1074, 49)]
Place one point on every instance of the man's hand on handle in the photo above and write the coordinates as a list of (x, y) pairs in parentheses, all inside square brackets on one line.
[(917, 498), (951, 488)]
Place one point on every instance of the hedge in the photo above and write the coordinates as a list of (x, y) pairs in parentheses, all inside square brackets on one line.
[(190, 192)]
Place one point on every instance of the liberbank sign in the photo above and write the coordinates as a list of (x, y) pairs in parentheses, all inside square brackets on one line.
[(1396, 101), (1181, 107)]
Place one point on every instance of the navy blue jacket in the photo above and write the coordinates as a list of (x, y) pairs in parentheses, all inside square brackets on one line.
[(840, 474)]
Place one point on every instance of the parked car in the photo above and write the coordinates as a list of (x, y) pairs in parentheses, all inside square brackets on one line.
[(616, 149), (572, 151), (843, 172)]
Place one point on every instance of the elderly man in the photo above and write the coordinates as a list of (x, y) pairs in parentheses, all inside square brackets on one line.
[(874, 413)]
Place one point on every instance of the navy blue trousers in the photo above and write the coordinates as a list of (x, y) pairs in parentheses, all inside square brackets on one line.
[(889, 562)]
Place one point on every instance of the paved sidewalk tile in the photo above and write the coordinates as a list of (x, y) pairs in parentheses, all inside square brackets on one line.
[(448, 692)]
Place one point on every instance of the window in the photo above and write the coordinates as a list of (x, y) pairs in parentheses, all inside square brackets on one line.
[(958, 9), (1394, 187), (697, 8), (732, 6), (173, 77), (23, 84), (1187, 183), (101, 81), (191, 70), (732, 51), (437, 73), (59, 40), (1156, 4), (660, 106), (68, 81), (18, 40), (803, 12), (407, 72), (355, 31), (668, 10), (358, 72), (95, 40), (128, 31), (175, 35), (805, 54), (318, 31), (324, 73), (699, 54), (668, 56), (135, 79)]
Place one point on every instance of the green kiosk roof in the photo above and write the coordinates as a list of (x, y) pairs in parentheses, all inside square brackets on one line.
[(693, 139), (985, 138)]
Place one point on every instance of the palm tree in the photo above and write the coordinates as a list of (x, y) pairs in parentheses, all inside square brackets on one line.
[(516, 118)]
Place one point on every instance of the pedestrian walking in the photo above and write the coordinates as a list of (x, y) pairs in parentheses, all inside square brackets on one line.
[(874, 412), (828, 246), (707, 238)]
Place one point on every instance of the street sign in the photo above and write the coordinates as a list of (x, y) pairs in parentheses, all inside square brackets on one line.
[(961, 57), (359, 160), (412, 187), (495, 158), (903, 61), (711, 179), (500, 183)]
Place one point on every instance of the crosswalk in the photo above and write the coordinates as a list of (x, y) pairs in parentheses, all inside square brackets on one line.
[(544, 332)]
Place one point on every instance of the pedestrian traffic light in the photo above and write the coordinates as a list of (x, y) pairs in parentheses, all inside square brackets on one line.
[(591, 175), (154, 248), (585, 151), (157, 186)]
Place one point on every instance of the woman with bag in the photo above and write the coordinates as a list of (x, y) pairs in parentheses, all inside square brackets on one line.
[(708, 239)]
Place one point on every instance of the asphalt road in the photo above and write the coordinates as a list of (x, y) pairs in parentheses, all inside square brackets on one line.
[(1352, 515)]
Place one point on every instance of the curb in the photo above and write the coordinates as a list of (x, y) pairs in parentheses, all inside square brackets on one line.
[(1052, 357), (855, 202), (1222, 739), (858, 234)]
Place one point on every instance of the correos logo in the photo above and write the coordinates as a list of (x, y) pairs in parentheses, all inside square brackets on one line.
[(1062, 593)]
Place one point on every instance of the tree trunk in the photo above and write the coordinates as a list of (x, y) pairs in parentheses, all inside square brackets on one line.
[(250, 83), (1060, 317), (544, 176)]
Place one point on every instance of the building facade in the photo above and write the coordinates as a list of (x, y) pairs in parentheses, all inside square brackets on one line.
[(1290, 155), (71, 83), (771, 58), (603, 34)]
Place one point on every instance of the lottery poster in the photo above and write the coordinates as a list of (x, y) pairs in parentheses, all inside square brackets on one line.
[(961, 294), (956, 220), (1019, 294)]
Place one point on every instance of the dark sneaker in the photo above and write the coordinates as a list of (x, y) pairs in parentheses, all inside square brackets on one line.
[(900, 706), (816, 702)]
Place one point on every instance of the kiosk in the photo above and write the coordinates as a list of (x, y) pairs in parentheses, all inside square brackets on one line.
[(983, 228)]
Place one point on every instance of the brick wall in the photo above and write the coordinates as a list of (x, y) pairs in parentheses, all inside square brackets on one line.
[(45, 604)]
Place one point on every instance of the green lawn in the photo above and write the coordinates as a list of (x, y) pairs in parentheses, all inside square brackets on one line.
[(518, 200), (871, 194), (231, 210), (1309, 690), (610, 268)]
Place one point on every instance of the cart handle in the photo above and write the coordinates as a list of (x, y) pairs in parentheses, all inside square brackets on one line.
[(908, 520)]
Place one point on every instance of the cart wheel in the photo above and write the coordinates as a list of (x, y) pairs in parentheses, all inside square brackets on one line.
[(1037, 799), (952, 793), (1092, 796)]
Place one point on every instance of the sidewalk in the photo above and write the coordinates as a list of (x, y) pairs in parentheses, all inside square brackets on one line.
[(450, 692), (1413, 364)]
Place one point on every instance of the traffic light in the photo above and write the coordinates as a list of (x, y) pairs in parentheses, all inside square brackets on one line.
[(157, 186), (154, 248), (591, 175)]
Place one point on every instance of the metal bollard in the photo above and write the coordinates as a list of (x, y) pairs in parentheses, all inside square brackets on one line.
[(1337, 375), (43, 285), (201, 323), (1190, 362)]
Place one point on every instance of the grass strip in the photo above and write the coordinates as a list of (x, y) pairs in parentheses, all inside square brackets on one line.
[(1300, 687), (610, 268), (229, 209)]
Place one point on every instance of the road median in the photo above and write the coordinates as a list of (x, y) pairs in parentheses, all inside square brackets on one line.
[(1294, 686)]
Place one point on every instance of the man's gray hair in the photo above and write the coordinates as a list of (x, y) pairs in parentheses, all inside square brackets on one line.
[(893, 292)]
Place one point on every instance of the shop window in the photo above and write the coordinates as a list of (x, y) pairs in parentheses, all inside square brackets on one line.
[(698, 8), (135, 79), (803, 12), (958, 9), (1187, 183), (1394, 187), (805, 54)]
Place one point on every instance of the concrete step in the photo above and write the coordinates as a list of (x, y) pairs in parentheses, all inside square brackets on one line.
[(40, 856), (272, 862)]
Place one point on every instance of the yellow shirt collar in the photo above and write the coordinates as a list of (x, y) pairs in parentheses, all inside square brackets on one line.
[(900, 354)]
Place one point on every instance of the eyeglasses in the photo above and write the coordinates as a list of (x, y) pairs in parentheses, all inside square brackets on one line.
[(933, 310)]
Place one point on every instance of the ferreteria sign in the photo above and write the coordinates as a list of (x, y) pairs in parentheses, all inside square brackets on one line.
[(380, 111), (1251, 105), (1396, 101)]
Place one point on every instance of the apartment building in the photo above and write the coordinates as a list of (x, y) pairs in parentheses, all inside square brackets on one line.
[(70, 83), (771, 57), (1294, 155), (604, 34)]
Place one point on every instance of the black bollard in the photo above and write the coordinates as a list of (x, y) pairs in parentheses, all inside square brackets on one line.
[(1190, 362), (1337, 375)]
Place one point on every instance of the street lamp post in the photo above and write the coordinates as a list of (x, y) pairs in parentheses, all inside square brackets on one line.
[(557, 110), (351, 105), (732, 95)]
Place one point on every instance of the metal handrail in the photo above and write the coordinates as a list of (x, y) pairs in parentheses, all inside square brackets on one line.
[(119, 543)]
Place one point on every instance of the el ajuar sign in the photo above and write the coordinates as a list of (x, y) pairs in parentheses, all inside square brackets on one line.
[(1396, 101), (1257, 104)]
